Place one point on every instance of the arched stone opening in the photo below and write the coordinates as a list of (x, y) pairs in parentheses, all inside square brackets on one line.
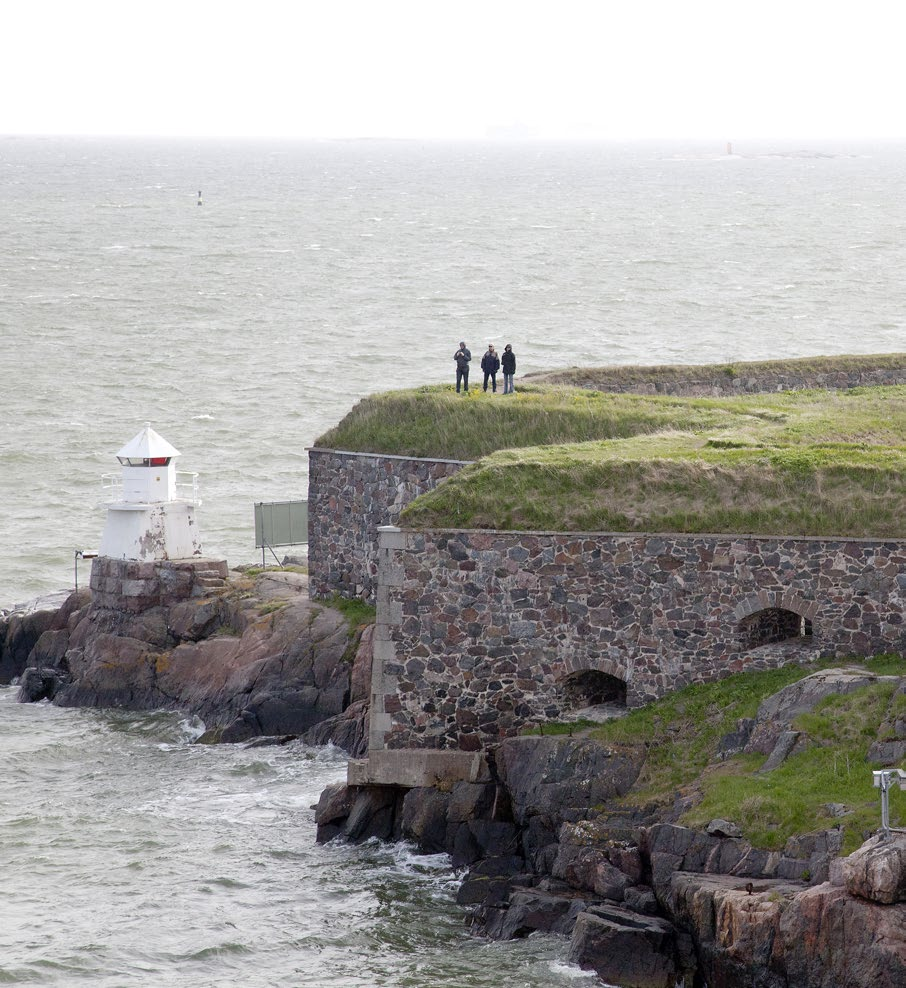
[(591, 688), (772, 625)]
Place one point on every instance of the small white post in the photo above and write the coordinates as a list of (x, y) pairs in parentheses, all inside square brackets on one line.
[(883, 780)]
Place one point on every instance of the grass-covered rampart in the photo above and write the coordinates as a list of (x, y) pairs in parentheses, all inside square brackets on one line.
[(572, 459), (434, 421), (720, 375), (675, 484)]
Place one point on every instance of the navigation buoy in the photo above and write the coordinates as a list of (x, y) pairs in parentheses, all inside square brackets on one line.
[(199, 197)]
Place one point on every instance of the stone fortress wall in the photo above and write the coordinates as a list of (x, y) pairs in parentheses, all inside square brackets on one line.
[(349, 496), (479, 631), (705, 383)]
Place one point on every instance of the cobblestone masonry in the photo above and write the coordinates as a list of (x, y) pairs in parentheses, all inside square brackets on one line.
[(132, 586), (477, 629), (349, 496)]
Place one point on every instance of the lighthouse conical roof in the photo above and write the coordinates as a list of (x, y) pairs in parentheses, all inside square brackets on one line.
[(147, 444)]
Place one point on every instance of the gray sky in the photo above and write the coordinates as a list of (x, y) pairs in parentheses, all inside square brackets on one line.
[(717, 69)]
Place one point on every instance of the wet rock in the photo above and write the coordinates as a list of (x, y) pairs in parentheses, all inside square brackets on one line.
[(424, 818), (50, 649), (38, 684), (22, 628), (535, 910), (551, 780), (373, 813), (490, 892), (333, 810), (348, 730), (547, 775), (626, 948), (278, 663)]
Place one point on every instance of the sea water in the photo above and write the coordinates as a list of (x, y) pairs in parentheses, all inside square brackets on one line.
[(311, 275), (132, 857)]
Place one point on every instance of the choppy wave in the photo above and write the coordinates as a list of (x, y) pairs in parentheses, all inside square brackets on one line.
[(132, 856)]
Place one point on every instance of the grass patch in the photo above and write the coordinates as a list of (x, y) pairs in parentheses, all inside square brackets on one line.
[(793, 799), (681, 734), (436, 422), (886, 665), (271, 606), (355, 610), (675, 483), (691, 722)]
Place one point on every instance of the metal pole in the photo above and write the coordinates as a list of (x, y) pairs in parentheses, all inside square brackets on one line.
[(885, 805)]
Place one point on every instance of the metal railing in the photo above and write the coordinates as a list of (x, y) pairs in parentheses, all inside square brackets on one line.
[(186, 486)]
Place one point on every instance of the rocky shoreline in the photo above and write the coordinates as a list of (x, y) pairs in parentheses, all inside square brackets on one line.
[(252, 656), (646, 903)]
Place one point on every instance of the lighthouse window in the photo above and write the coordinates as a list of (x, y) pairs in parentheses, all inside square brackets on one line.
[(138, 461)]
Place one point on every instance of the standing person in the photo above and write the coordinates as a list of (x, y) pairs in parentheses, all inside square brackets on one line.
[(490, 364), (462, 357), (508, 363)]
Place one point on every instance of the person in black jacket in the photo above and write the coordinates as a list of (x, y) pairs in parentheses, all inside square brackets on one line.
[(508, 363), (490, 364), (462, 357)]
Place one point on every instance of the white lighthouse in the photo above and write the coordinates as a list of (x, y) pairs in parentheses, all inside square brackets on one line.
[(150, 521)]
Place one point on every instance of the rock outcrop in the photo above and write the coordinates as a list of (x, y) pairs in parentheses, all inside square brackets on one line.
[(774, 934), (877, 871), (250, 656), (22, 627)]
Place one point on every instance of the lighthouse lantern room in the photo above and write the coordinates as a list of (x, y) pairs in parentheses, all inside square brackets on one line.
[(149, 520)]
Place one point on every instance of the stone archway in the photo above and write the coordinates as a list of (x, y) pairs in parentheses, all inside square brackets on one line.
[(767, 618), (592, 688), (772, 625)]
